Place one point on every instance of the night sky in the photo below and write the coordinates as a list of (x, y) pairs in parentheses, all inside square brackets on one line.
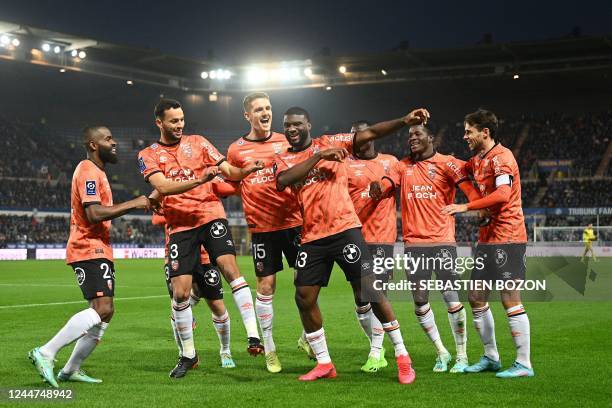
[(239, 32)]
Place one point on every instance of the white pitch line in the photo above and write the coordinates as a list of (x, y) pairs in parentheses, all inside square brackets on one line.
[(77, 301)]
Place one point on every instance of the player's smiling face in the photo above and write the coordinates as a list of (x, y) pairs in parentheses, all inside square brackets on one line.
[(172, 124), (107, 147), (474, 137), (260, 115), (297, 130), (419, 140)]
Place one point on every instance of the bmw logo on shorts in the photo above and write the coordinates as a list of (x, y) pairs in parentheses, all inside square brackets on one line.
[(80, 275), (211, 277), (351, 253), (218, 230), (501, 257)]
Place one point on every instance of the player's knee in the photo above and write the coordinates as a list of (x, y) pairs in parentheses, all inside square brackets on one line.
[(303, 300), (181, 295), (105, 310)]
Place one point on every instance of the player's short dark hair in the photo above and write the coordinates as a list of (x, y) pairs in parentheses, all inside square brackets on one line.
[(296, 110), (481, 119), (166, 104), (88, 132), (246, 102)]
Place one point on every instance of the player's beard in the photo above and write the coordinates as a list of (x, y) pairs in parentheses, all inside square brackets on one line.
[(107, 155), (170, 136), (301, 139)]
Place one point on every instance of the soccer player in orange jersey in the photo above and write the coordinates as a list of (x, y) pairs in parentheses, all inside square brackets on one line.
[(428, 182), (273, 217), (379, 228), (316, 172), (501, 244), (178, 166), (90, 255)]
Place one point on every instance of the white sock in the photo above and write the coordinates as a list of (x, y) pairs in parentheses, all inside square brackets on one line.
[(183, 319), (222, 326), (84, 347), (177, 338), (426, 319), (265, 315), (319, 346), (364, 314), (520, 330), (395, 335), (457, 318), (244, 301), (485, 326), (75, 328), (193, 299), (378, 336)]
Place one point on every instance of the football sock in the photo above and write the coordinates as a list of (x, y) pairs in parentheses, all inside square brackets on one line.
[(457, 318), (222, 326), (183, 318), (485, 326), (319, 346), (77, 326), (84, 347), (395, 335), (520, 330), (265, 315), (426, 319), (244, 301)]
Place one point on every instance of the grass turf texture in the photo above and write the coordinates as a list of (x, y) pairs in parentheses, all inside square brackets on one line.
[(569, 352)]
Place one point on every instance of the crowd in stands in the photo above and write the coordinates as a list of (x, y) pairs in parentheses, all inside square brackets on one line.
[(578, 193)]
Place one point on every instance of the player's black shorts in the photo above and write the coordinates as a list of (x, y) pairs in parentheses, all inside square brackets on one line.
[(423, 260), (500, 262), (315, 259), (380, 252), (184, 246), (268, 248), (207, 281), (96, 277)]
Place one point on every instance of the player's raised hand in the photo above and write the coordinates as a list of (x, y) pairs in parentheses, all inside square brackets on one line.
[(417, 117), (334, 154), (252, 167), (155, 203), (454, 209), (375, 190), (209, 174)]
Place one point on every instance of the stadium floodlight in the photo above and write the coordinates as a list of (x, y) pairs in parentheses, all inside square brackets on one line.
[(62, 70), (256, 75), (129, 82), (342, 69), (213, 74), (5, 40), (15, 42), (204, 74), (57, 49), (82, 54), (308, 71), (515, 76), (213, 97), (224, 74), (46, 47), (74, 53), (382, 71), (328, 88)]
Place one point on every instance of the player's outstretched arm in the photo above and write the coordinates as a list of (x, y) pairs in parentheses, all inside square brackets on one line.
[(97, 213), (167, 186), (381, 129), (501, 195), (234, 173), (299, 172)]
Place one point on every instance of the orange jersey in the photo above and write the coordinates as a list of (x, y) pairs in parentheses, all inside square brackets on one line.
[(161, 220), (185, 161), (265, 208), (87, 240), (427, 186), (507, 221), (323, 197), (379, 218)]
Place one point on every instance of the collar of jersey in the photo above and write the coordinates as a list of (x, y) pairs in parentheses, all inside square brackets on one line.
[(494, 146), (359, 158), (169, 144), (95, 164), (259, 140), (427, 158)]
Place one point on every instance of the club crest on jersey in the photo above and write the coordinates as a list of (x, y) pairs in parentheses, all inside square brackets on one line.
[(80, 275), (501, 257), (380, 252), (211, 277), (316, 149), (218, 230), (351, 253), (90, 188), (187, 150), (109, 283), (431, 171), (259, 266), (174, 264), (386, 167)]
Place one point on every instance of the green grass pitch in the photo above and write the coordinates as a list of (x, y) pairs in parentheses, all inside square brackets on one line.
[(570, 348)]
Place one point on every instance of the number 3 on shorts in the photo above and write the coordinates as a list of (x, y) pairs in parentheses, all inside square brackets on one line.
[(173, 251), (301, 259)]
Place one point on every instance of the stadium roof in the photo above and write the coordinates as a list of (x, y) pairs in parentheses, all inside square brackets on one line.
[(399, 65)]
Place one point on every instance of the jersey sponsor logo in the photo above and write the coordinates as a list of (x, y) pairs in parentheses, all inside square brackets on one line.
[(342, 138), (277, 147), (263, 176), (386, 166), (410, 170), (216, 156), (141, 165), (314, 176), (501, 257), (211, 277), (453, 166), (218, 230), (80, 275), (246, 151), (351, 253), (90, 188), (163, 159), (422, 192), (182, 174)]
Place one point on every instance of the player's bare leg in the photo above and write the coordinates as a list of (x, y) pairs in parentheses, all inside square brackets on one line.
[(520, 331), (266, 286), (221, 321), (244, 300), (485, 326), (183, 318), (363, 289)]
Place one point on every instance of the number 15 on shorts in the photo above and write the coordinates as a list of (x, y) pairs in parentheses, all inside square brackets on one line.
[(259, 251)]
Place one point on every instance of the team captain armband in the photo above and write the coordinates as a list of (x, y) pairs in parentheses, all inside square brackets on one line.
[(503, 179)]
